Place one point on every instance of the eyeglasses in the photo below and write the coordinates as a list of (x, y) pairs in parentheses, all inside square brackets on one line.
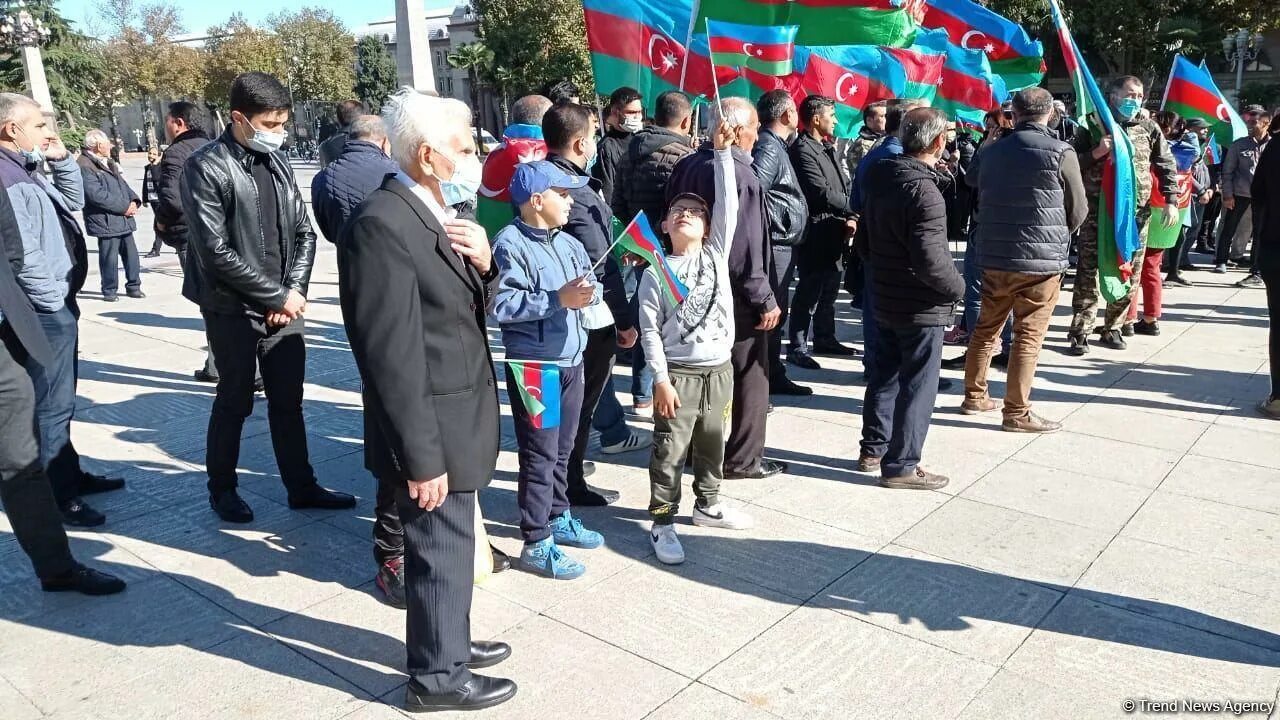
[(693, 212)]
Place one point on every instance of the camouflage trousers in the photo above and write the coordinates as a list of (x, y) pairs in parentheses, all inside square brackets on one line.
[(1084, 294)]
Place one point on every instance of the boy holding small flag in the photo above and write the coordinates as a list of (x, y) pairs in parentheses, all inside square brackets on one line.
[(542, 290), (687, 330)]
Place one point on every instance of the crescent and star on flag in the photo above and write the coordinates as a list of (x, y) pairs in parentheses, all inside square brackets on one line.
[(667, 59), (853, 87), (964, 41)]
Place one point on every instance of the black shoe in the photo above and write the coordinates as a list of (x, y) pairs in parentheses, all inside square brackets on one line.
[(487, 654), (1189, 268), (91, 484), (803, 360), (957, 362), (152, 254), (588, 468), (86, 581), (501, 560), (944, 384), (1112, 339), (480, 692), (1178, 280), (205, 376), (314, 496), (258, 386), (390, 581), (1001, 361), (109, 298), (591, 496), (1079, 346), (1250, 280), (1146, 328), (136, 294), (231, 508), (1126, 330), (831, 347), (766, 469), (785, 386), (77, 513)]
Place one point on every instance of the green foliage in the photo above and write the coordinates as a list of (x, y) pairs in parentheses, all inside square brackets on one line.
[(319, 53), (539, 41), (71, 66), (375, 73), (234, 48), (1259, 93), (142, 56)]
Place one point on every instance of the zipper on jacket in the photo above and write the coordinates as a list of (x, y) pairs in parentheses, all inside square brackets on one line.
[(550, 250)]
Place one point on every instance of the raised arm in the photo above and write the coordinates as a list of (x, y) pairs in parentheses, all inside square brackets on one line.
[(724, 213)]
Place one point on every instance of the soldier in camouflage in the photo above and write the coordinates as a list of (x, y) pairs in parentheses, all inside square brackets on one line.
[(1151, 154), (869, 136)]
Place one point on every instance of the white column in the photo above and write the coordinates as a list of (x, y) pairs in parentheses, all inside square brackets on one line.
[(413, 46), (36, 81)]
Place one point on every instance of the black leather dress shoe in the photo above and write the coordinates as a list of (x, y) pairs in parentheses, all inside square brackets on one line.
[(785, 386), (766, 469), (205, 376), (501, 560), (86, 581), (487, 654), (320, 498), (803, 360), (831, 347), (592, 496), (957, 362), (390, 580), (91, 483), (231, 508), (77, 513), (136, 294), (479, 693)]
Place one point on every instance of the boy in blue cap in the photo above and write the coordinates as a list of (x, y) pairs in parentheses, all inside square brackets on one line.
[(543, 287)]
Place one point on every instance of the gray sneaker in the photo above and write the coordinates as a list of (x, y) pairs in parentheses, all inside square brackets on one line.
[(1030, 423)]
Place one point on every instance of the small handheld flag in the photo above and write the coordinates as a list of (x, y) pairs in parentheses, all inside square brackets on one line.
[(539, 385), (640, 240), (768, 50)]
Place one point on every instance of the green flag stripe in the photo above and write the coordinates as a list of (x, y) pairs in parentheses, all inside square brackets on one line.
[(830, 25)]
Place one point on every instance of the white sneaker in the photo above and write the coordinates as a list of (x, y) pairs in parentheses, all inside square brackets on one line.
[(721, 516), (637, 440), (641, 413), (666, 544)]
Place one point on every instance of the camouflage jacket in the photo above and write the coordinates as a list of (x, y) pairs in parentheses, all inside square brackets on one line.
[(1151, 156)]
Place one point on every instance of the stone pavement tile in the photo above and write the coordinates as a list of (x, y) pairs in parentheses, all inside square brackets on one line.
[(1004, 541), (1060, 495), (699, 701), (1199, 405), (818, 663), (1225, 532), (15, 706), (1227, 482), (112, 641), (952, 432), (22, 599), (792, 555), (1244, 414), (1011, 696), (978, 614), (859, 506), (376, 710), (1092, 649), (1126, 462), (1241, 445), (963, 468), (1214, 595), (538, 593), (1135, 425), (685, 618), (249, 677)]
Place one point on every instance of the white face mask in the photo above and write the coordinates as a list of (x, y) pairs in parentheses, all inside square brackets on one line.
[(465, 183), (632, 124), (263, 141)]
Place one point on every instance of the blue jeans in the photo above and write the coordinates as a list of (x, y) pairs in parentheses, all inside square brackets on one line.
[(55, 388), (641, 377), (870, 328), (110, 251), (973, 296), (609, 419)]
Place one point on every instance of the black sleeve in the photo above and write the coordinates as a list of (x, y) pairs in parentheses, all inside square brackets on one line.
[(927, 218), (586, 227), (747, 254), (822, 196), (168, 207), (765, 160)]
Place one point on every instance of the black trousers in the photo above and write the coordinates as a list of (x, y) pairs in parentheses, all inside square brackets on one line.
[(1209, 222), (1272, 280), (241, 343), (815, 302), (439, 571), (781, 275), (1231, 223), (597, 370), (902, 385), (110, 251), (388, 531), (744, 448), (25, 492)]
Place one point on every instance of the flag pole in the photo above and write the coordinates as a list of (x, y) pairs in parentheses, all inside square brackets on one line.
[(607, 250), (715, 81), (688, 42), (1169, 83)]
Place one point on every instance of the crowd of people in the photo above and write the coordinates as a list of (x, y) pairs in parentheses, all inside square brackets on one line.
[(768, 199)]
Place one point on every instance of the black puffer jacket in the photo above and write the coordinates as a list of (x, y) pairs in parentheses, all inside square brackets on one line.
[(613, 146), (226, 241), (171, 218), (641, 183), (915, 279), (784, 201)]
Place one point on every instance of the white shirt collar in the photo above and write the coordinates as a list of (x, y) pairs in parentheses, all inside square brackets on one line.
[(442, 214)]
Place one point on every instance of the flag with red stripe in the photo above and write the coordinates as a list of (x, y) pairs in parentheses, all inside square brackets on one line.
[(1192, 93), (640, 240), (766, 49), (1013, 55), (538, 383)]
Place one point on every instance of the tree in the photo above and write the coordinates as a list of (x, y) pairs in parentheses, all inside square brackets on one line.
[(233, 48), (318, 52), (375, 72), (476, 59), (142, 52), (72, 67), (539, 40)]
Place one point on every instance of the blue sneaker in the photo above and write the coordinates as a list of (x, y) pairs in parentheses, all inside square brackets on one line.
[(568, 530), (545, 559)]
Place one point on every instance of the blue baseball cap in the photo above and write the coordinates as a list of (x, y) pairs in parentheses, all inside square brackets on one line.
[(539, 176)]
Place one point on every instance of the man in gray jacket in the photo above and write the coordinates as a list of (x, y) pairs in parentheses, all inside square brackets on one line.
[(1237, 175), (1031, 199)]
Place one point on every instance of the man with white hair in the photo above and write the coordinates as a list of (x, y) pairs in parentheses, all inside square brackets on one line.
[(414, 284), (109, 207)]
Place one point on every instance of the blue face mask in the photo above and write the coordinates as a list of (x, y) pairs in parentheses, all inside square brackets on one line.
[(34, 156), (1128, 108), (591, 162)]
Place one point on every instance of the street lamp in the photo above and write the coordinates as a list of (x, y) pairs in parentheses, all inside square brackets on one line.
[(1241, 49), (22, 31)]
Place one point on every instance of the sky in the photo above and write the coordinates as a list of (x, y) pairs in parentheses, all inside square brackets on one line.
[(197, 16)]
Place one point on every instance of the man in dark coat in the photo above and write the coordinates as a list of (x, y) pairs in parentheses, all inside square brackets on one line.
[(625, 119), (916, 287), (755, 309), (415, 284), (342, 185), (109, 207), (826, 243), (650, 159), (1265, 192)]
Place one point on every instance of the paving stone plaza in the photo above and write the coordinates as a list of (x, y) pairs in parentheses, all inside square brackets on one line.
[(1132, 558)]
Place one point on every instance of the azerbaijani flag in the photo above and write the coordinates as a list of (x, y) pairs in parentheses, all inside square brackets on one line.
[(766, 49), (640, 240), (853, 75), (824, 22), (1118, 238), (539, 385), (1014, 56), (966, 87), (1192, 93), (1159, 236)]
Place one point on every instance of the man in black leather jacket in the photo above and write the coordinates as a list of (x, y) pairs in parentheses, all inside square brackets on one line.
[(252, 247), (788, 213)]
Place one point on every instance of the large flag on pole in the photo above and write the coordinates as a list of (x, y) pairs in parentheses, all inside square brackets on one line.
[(766, 49), (1117, 217), (1014, 56), (1192, 93), (825, 22)]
